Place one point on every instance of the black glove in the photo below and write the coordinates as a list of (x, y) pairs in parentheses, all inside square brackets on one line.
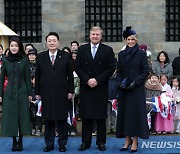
[(122, 87), (132, 86), (124, 84)]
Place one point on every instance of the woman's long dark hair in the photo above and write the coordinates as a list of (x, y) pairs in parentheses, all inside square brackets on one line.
[(20, 44), (175, 77), (165, 54)]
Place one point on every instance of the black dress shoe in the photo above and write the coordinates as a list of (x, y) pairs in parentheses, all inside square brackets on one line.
[(62, 148), (48, 148), (102, 147), (83, 147), (124, 149)]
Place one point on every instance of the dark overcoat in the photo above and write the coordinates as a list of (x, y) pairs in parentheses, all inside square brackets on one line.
[(53, 83), (176, 66), (132, 118), (15, 113), (93, 101)]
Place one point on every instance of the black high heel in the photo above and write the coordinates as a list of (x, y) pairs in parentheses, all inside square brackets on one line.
[(124, 149), (134, 150)]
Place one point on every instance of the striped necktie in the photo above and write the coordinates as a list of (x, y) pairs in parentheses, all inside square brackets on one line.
[(52, 59)]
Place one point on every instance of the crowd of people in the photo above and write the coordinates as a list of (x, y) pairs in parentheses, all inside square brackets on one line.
[(55, 88)]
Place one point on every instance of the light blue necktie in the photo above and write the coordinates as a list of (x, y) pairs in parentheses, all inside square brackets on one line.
[(93, 51)]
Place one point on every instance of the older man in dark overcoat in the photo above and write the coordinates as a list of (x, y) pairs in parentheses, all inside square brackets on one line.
[(54, 86), (94, 66)]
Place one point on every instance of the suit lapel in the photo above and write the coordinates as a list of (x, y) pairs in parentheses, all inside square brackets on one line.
[(47, 58), (58, 57), (88, 52), (98, 53)]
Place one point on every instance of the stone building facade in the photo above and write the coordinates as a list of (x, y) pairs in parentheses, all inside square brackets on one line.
[(67, 17)]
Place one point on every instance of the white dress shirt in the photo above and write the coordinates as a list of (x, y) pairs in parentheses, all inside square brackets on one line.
[(50, 55)]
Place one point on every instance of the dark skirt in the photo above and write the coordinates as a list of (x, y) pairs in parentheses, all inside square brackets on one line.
[(132, 117)]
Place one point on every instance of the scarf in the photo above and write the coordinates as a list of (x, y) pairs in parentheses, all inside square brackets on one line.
[(129, 52), (151, 86), (14, 57)]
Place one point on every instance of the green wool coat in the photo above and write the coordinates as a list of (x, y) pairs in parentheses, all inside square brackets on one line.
[(15, 109)]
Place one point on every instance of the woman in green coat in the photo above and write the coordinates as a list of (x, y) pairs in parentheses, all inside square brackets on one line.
[(15, 99)]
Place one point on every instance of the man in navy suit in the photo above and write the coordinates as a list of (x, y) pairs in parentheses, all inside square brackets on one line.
[(54, 85), (94, 66)]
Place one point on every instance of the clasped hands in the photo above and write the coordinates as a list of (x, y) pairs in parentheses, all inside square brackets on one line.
[(92, 82), (130, 87)]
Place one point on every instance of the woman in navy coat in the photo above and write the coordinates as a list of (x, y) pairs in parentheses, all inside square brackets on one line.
[(132, 73)]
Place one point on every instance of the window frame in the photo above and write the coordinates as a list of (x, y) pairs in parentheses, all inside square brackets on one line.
[(172, 20), (25, 18), (106, 14)]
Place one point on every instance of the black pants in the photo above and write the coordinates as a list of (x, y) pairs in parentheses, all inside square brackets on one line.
[(153, 115), (50, 132), (37, 123), (87, 127)]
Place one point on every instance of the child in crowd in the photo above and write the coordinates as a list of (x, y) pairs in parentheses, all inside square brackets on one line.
[(38, 117), (72, 130), (35, 104), (153, 89), (176, 98), (162, 124), (76, 86), (112, 104)]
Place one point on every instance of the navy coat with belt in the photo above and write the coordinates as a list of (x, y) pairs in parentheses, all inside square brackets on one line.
[(93, 101), (53, 83), (132, 118)]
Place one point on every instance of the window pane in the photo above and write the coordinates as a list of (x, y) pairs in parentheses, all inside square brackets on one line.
[(107, 14)]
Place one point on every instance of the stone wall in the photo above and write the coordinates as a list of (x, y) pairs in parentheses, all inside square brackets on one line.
[(2, 11), (146, 17), (65, 17)]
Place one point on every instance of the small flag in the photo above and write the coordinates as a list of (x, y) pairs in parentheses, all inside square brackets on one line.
[(149, 119), (114, 105)]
